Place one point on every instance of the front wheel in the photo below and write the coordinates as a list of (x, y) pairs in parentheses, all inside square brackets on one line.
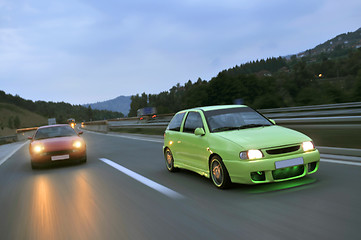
[(169, 161), (219, 173), (33, 166)]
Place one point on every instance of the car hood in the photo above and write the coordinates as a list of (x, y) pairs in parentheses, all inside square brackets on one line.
[(263, 137), (58, 143)]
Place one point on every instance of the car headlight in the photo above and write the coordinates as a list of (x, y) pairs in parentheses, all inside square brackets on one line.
[(251, 154), (308, 146), (77, 144), (38, 148)]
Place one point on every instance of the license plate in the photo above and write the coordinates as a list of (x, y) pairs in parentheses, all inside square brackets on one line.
[(60, 157), (289, 162)]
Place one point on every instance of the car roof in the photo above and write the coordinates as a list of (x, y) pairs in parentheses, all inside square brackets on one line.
[(55, 125), (216, 107)]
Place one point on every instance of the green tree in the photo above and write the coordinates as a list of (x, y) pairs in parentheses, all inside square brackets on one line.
[(17, 122), (90, 113), (357, 88), (11, 122)]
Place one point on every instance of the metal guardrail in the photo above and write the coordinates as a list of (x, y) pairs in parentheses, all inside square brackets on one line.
[(8, 139), (333, 125), (314, 107), (345, 113)]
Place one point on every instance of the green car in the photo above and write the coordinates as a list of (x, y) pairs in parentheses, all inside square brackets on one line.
[(236, 144)]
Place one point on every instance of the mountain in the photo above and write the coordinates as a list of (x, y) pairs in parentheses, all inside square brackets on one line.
[(118, 104), (336, 46)]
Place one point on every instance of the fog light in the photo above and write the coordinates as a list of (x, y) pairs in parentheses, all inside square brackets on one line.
[(312, 166), (258, 176)]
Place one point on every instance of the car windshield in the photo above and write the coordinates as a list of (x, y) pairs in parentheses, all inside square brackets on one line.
[(56, 131), (235, 119)]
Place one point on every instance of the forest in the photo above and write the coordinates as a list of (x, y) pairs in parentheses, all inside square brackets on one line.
[(59, 110), (324, 78)]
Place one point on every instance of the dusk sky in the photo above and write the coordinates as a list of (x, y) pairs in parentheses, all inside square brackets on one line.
[(84, 51)]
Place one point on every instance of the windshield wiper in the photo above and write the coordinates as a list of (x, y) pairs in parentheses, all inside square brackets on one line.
[(252, 126), (220, 129)]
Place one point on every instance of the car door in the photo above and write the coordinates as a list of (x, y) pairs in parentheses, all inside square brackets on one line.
[(173, 136), (193, 148)]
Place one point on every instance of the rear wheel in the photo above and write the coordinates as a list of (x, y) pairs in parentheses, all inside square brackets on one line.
[(219, 173), (169, 160)]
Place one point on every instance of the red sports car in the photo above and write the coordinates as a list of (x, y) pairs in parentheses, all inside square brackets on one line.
[(56, 143)]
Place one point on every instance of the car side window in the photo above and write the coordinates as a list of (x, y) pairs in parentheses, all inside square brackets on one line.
[(176, 122), (193, 121)]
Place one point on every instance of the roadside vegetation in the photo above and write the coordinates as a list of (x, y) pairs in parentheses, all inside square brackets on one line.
[(13, 117), (59, 110), (323, 78)]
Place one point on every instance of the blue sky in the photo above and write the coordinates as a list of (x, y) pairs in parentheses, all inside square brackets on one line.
[(84, 51)]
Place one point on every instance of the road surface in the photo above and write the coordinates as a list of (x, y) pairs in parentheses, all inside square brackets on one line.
[(125, 192)]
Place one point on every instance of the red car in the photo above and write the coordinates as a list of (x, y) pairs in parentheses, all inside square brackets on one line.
[(56, 143)]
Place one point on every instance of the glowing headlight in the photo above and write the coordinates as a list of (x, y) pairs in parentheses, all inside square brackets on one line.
[(77, 144), (251, 154), (38, 148), (307, 146)]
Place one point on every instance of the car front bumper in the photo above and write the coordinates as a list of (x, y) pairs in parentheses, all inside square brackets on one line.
[(59, 156), (265, 170)]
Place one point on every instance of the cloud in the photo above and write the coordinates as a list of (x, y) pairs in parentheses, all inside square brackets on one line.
[(86, 51)]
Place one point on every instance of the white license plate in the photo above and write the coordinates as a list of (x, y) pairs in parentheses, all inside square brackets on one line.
[(289, 162), (60, 157)]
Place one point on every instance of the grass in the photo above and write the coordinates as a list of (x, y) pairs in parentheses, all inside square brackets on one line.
[(27, 118)]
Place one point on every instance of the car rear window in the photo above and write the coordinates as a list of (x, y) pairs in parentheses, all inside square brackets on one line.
[(176, 122)]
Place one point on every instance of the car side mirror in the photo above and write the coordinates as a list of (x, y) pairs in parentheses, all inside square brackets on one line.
[(199, 132), (80, 133), (273, 121)]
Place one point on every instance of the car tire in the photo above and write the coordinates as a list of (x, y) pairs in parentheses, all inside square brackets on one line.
[(84, 159), (169, 160), (219, 173), (33, 166)]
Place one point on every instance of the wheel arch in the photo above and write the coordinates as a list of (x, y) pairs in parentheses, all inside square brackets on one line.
[(210, 158)]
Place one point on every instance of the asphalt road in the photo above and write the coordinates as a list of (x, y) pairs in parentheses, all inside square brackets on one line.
[(137, 198)]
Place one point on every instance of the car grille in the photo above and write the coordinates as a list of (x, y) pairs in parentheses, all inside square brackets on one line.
[(59, 152), (288, 172), (283, 150)]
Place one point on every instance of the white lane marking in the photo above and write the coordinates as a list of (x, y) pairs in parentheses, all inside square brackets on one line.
[(130, 137), (12, 153), (156, 186), (137, 138), (341, 162)]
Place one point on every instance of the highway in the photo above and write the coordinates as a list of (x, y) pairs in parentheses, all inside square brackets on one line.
[(125, 192)]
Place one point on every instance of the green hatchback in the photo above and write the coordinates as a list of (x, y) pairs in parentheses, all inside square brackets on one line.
[(234, 143)]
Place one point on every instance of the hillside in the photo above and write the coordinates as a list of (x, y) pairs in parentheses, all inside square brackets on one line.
[(118, 104), (328, 73), (337, 46), (59, 110), (13, 117)]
